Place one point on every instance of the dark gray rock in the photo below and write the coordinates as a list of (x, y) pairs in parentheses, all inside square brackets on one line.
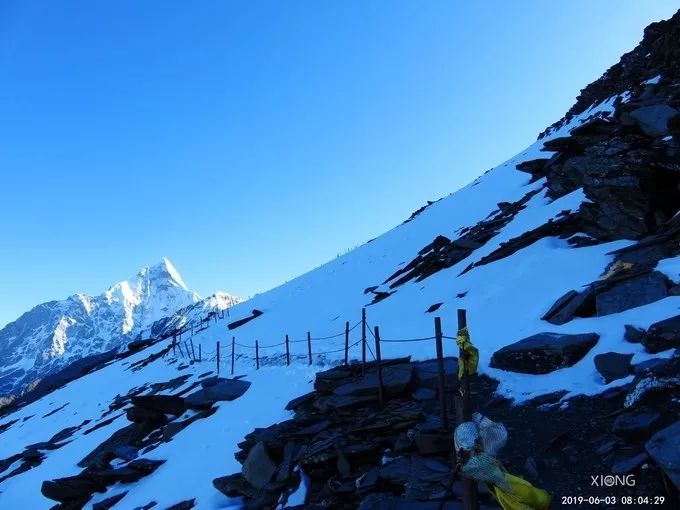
[(544, 352), (147, 417), (663, 335), (166, 404), (258, 469), (649, 366), (664, 448), (627, 465), (424, 394), (631, 293), (633, 334), (636, 425), (425, 373), (108, 503), (396, 379), (71, 488), (652, 120), (613, 365), (183, 505), (570, 305), (224, 390)]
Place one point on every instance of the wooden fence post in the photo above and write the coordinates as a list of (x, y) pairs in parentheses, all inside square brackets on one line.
[(218, 357), (346, 342), (363, 340), (192, 327), (257, 355), (463, 414), (186, 346), (193, 353), (287, 352), (378, 360), (309, 346), (174, 342), (200, 356), (441, 374), (233, 352), (180, 349)]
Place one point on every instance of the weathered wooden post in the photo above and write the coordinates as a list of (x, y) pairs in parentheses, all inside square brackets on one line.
[(192, 327), (287, 352), (441, 381), (363, 341), (463, 414), (309, 347), (186, 346), (233, 353), (346, 342), (378, 360), (217, 350), (193, 353), (200, 356), (180, 349), (257, 355), (174, 342)]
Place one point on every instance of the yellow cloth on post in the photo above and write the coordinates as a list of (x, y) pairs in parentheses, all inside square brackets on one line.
[(522, 495), (469, 362)]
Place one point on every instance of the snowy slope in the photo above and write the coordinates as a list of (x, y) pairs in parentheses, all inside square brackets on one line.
[(505, 301), (53, 334)]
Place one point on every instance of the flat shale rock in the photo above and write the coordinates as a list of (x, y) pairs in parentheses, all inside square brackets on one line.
[(396, 379), (631, 293), (258, 469), (543, 353), (637, 424), (664, 448), (224, 390)]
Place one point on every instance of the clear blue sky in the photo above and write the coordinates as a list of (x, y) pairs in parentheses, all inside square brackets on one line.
[(251, 141)]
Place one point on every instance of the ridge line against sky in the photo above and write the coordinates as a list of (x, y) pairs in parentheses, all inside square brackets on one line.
[(251, 142)]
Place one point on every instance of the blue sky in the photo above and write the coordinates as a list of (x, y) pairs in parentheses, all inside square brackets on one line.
[(252, 141)]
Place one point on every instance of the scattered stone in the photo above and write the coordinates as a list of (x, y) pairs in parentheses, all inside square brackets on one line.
[(663, 335), (71, 488), (636, 424), (664, 448), (183, 505), (543, 353), (613, 365), (633, 334), (396, 379), (108, 503), (628, 465)]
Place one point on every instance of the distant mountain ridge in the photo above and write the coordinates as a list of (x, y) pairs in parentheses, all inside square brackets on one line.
[(53, 334)]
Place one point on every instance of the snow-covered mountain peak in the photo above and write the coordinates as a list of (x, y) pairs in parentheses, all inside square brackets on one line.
[(54, 334), (164, 271)]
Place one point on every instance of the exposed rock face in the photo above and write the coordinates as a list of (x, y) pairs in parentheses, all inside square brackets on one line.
[(543, 353)]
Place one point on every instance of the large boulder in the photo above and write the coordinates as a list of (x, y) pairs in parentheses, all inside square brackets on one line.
[(631, 293), (258, 469), (544, 352), (664, 448), (71, 488), (613, 365), (663, 335)]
